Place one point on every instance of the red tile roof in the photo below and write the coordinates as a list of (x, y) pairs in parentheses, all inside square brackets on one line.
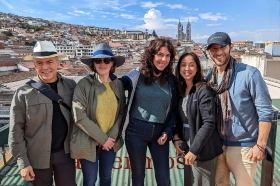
[(115, 44), (197, 52), (65, 66), (236, 57), (9, 64)]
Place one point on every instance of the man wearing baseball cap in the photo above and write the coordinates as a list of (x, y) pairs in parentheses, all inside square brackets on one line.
[(40, 128), (244, 113)]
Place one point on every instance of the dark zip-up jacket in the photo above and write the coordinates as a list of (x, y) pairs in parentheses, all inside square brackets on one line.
[(130, 81), (204, 138)]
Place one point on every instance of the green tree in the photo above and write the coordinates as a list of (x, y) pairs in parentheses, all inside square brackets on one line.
[(30, 44), (7, 33), (154, 33), (178, 44), (89, 34)]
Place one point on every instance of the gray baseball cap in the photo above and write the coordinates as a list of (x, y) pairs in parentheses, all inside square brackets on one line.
[(219, 38)]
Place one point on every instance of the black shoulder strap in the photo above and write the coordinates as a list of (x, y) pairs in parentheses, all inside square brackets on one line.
[(47, 91)]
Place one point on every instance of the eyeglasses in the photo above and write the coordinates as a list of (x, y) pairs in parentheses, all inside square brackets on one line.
[(106, 60)]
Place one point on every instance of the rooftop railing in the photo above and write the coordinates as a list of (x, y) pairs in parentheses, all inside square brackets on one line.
[(268, 171)]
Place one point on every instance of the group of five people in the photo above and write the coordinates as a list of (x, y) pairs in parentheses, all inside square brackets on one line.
[(223, 119)]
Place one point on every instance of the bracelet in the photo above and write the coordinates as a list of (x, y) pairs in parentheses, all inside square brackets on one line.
[(261, 148), (177, 139)]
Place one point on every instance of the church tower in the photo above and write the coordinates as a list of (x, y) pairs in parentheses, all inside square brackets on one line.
[(188, 31), (180, 31)]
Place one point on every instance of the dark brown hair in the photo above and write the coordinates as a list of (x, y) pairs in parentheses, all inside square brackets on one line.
[(112, 70), (148, 57), (198, 79)]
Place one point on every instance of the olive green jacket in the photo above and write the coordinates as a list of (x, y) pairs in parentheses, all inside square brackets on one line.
[(86, 132), (31, 115)]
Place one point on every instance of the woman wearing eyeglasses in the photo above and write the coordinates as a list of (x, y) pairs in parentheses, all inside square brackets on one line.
[(98, 105), (150, 111)]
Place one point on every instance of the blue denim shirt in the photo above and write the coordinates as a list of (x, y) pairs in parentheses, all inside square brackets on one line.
[(250, 102)]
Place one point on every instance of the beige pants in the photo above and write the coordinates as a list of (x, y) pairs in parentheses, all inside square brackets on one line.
[(235, 160)]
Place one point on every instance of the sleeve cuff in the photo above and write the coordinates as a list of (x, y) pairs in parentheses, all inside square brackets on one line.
[(265, 119), (23, 162)]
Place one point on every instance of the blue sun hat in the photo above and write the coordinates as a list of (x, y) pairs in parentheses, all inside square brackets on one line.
[(103, 51)]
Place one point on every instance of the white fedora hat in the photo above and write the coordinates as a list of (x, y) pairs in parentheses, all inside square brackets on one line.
[(44, 49), (103, 51)]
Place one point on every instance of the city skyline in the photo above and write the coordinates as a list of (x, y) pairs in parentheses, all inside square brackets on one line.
[(255, 20)]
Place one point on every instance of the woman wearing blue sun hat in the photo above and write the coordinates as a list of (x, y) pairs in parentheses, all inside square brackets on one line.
[(98, 105)]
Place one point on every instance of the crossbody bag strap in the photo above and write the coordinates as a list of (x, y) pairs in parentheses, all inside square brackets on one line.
[(47, 91)]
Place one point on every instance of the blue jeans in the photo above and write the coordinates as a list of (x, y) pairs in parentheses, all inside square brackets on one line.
[(140, 135), (106, 161)]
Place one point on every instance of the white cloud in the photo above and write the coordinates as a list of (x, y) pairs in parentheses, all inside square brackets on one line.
[(213, 24), (183, 20), (171, 20), (72, 13), (81, 12), (198, 36), (209, 16), (103, 16), (103, 12), (118, 8), (113, 4), (108, 4), (264, 35), (191, 19), (176, 6), (150, 5), (7, 4), (153, 20), (31, 11), (196, 9), (128, 16)]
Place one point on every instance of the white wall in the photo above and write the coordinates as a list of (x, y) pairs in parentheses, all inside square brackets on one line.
[(259, 61), (8, 68), (22, 68)]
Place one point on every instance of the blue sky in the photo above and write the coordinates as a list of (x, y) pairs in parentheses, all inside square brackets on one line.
[(256, 20)]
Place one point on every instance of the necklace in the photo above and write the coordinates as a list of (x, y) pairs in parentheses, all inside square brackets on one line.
[(156, 80)]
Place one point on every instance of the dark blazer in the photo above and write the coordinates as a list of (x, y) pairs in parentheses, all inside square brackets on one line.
[(170, 120), (204, 138)]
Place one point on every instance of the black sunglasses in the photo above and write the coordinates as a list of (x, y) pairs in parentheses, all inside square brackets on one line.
[(106, 60)]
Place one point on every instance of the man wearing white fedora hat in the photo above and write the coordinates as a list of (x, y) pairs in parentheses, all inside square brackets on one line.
[(40, 125)]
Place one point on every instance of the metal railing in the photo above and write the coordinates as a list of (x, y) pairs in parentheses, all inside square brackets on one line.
[(267, 171), (4, 132), (269, 168)]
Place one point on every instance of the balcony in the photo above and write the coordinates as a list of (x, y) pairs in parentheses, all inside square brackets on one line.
[(268, 172)]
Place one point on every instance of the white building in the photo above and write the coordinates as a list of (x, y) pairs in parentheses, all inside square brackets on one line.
[(76, 50)]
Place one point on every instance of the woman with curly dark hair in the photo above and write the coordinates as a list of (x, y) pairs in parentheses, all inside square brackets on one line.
[(195, 127), (150, 112)]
